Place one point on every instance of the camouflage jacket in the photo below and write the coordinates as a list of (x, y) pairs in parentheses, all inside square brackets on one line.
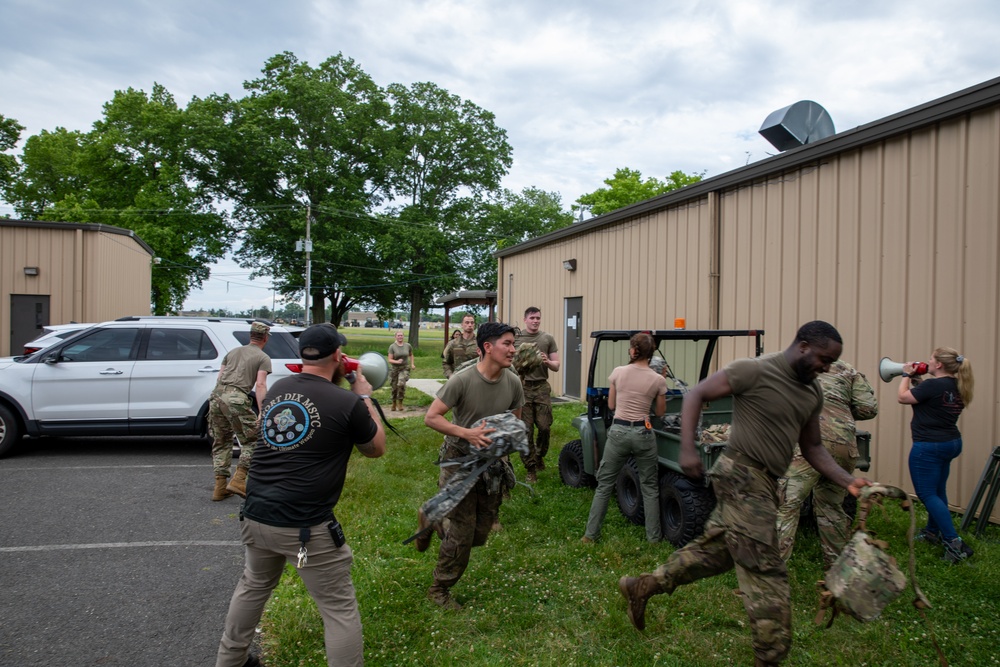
[(847, 397), (456, 352)]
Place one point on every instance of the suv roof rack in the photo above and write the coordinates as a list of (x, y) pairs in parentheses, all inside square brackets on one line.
[(247, 320)]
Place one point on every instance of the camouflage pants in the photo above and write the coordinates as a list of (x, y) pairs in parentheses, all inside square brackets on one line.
[(832, 523), (398, 377), (740, 534), (537, 411), (466, 526), (230, 414)]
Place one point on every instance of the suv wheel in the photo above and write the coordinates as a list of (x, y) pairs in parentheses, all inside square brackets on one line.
[(571, 467), (10, 434), (629, 493), (684, 508)]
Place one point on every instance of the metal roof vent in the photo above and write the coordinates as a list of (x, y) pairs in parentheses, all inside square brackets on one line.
[(796, 125)]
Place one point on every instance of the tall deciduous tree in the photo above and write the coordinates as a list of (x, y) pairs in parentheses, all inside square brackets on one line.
[(129, 171), (446, 154), (10, 132), (303, 138), (627, 187)]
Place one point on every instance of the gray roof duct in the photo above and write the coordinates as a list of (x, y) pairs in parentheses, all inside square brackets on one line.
[(801, 123)]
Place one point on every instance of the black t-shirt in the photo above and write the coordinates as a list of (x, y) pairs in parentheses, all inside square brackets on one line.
[(935, 415), (308, 432)]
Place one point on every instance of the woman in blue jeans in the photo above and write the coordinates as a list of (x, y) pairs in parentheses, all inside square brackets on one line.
[(937, 403), (631, 389)]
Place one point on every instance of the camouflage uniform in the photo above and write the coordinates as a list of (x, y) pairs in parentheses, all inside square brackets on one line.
[(230, 411), (847, 396), (457, 352), (399, 374), (740, 534), (537, 410)]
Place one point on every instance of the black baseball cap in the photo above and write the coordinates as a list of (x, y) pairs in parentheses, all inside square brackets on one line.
[(323, 339)]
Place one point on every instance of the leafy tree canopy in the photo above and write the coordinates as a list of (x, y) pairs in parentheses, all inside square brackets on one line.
[(627, 187)]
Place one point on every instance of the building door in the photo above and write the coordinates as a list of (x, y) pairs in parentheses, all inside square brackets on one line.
[(573, 355), (28, 314)]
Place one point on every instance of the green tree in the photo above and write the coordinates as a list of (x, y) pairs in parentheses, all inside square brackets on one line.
[(131, 171), (302, 139), (511, 218), (627, 187), (446, 155), (10, 132)]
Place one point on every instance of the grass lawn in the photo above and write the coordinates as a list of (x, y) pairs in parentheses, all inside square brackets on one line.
[(534, 595)]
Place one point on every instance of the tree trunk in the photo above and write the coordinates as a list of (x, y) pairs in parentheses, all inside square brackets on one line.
[(416, 303)]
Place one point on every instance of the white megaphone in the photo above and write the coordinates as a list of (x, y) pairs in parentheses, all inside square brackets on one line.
[(372, 364), (888, 369)]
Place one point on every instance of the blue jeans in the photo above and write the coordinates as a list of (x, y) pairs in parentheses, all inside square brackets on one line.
[(930, 463)]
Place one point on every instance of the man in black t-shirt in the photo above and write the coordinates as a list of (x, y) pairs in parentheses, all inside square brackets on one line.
[(309, 427)]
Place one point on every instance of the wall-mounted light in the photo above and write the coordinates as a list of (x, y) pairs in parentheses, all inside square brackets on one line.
[(31, 270), (569, 264)]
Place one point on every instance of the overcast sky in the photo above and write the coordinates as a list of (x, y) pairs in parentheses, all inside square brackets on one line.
[(581, 87)]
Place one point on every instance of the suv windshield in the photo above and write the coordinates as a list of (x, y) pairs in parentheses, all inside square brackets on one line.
[(280, 345)]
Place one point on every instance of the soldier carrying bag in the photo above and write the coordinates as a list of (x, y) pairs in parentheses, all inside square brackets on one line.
[(865, 578)]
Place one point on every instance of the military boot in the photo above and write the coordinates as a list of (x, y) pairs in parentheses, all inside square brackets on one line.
[(440, 596), (238, 484), (221, 492), (637, 591)]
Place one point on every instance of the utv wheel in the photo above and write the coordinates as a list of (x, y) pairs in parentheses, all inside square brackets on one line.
[(572, 469), (629, 493), (684, 508), (10, 433)]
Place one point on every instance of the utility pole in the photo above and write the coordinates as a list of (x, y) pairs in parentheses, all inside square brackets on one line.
[(307, 247)]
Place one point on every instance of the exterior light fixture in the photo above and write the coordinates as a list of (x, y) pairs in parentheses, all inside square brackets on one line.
[(569, 264), (31, 270)]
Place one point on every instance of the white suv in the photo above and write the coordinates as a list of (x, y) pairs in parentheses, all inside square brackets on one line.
[(132, 376)]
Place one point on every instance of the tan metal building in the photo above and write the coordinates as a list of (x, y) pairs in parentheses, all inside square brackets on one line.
[(59, 272), (889, 231)]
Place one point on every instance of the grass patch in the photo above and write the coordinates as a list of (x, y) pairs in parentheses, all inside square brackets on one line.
[(534, 595)]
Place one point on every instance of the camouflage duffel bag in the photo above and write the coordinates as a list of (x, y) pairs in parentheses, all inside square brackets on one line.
[(865, 578)]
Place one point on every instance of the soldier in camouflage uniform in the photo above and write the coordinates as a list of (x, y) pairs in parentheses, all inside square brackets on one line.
[(401, 362), (776, 402), (486, 390), (847, 396), (461, 349), (230, 413), (537, 410)]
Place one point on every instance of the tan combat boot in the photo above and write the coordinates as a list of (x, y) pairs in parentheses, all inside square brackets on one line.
[(440, 596), (238, 484), (220, 492), (637, 591)]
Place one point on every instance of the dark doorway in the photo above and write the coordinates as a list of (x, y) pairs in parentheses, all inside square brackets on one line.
[(28, 314), (573, 356)]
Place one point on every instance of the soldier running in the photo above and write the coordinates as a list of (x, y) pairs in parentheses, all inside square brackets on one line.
[(537, 410), (776, 402)]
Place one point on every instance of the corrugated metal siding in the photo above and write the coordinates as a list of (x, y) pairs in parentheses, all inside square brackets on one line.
[(895, 242), (113, 281)]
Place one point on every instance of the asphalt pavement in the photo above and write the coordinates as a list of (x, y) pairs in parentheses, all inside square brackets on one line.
[(112, 553)]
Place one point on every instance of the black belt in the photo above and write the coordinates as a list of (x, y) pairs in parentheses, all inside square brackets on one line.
[(625, 422), (744, 460)]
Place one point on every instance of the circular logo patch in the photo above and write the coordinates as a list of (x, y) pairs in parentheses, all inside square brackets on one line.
[(286, 424)]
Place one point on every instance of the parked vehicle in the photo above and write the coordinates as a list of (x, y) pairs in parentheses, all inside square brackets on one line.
[(53, 333), (131, 376), (684, 504)]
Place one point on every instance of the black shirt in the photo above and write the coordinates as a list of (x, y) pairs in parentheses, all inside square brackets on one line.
[(308, 432), (935, 415)]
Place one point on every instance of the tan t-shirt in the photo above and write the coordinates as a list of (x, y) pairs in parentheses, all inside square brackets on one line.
[(240, 367), (770, 409), (635, 386), (401, 353), (471, 397)]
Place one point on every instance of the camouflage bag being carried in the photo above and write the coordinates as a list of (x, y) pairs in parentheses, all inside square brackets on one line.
[(865, 578), (527, 358)]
